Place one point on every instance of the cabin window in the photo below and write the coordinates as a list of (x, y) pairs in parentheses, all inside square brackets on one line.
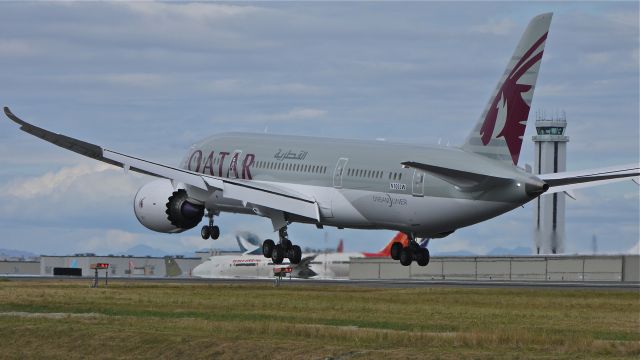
[(399, 176)]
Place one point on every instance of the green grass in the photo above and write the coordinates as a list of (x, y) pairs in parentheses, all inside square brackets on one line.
[(186, 320)]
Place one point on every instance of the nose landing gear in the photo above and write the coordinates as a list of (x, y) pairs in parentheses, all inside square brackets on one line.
[(284, 249)]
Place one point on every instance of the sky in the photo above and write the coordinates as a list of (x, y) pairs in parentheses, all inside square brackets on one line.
[(149, 79)]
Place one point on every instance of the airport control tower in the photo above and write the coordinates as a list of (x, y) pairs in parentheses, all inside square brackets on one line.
[(551, 157)]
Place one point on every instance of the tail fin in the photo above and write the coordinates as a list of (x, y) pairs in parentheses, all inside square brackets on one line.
[(246, 243), (340, 248), (171, 267), (386, 251), (499, 131)]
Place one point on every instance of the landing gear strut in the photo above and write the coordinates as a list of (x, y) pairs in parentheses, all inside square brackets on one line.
[(412, 252), (284, 249), (210, 231)]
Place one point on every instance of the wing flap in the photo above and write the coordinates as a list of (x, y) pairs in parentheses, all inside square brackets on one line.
[(267, 195)]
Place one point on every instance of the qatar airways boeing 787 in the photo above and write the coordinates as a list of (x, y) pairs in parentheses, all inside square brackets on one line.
[(422, 191)]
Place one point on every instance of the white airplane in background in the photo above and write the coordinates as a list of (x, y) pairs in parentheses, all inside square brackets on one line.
[(422, 191), (319, 265)]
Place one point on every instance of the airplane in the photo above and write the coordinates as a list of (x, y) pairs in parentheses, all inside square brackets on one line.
[(421, 191), (322, 265)]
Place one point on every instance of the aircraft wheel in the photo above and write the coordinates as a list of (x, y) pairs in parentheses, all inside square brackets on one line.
[(278, 254), (267, 248), (396, 248), (205, 232), (287, 244), (215, 232), (406, 257), (296, 254), (427, 255), (423, 257)]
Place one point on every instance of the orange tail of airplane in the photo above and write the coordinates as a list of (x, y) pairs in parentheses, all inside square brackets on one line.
[(340, 248), (386, 251)]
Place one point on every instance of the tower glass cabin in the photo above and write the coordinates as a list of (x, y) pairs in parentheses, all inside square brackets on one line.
[(551, 157)]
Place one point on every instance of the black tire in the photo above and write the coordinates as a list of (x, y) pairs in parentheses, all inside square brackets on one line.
[(267, 248), (205, 232), (215, 232), (406, 257), (287, 245), (296, 254), (423, 257), (396, 248), (278, 254)]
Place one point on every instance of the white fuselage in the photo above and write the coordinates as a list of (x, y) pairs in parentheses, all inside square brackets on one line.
[(325, 266), (358, 184)]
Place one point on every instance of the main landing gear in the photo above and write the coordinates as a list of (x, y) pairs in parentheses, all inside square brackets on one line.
[(407, 254), (210, 231), (284, 249)]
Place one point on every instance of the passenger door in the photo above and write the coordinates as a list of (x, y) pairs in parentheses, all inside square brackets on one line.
[(339, 171), (417, 185)]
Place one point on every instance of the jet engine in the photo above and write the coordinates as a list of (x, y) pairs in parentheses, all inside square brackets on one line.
[(160, 207)]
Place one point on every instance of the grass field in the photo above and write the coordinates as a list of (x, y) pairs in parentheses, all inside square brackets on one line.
[(67, 319)]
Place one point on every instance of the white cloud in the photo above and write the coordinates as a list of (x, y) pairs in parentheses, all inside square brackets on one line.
[(111, 241), (17, 48), (291, 116), (599, 58), (191, 11), (496, 27), (51, 182), (635, 250), (242, 87)]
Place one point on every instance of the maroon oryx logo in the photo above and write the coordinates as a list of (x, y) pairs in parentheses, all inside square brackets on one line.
[(509, 100)]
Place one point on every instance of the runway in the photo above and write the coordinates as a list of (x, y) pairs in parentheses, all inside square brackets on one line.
[(585, 285)]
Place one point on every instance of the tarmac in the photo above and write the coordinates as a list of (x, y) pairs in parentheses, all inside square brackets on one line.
[(582, 285)]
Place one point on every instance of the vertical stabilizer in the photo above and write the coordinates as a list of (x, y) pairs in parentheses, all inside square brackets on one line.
[(500, 129), (386, 251)]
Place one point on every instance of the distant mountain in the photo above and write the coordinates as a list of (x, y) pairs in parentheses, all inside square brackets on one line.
[(520, 250), (144, 250), (10, 253)]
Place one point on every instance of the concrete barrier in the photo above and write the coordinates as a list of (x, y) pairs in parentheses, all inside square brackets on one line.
[(614, 268)]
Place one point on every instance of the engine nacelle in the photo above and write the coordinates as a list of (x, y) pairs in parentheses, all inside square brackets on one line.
[(160, 207)]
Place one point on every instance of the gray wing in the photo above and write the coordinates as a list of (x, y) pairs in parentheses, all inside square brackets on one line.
[(277, 197)]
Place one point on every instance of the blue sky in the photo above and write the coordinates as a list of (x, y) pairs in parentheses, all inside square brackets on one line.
[(151, 78)]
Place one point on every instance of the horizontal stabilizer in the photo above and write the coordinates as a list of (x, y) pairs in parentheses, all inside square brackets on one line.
[(463, 180), (566, 181)]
